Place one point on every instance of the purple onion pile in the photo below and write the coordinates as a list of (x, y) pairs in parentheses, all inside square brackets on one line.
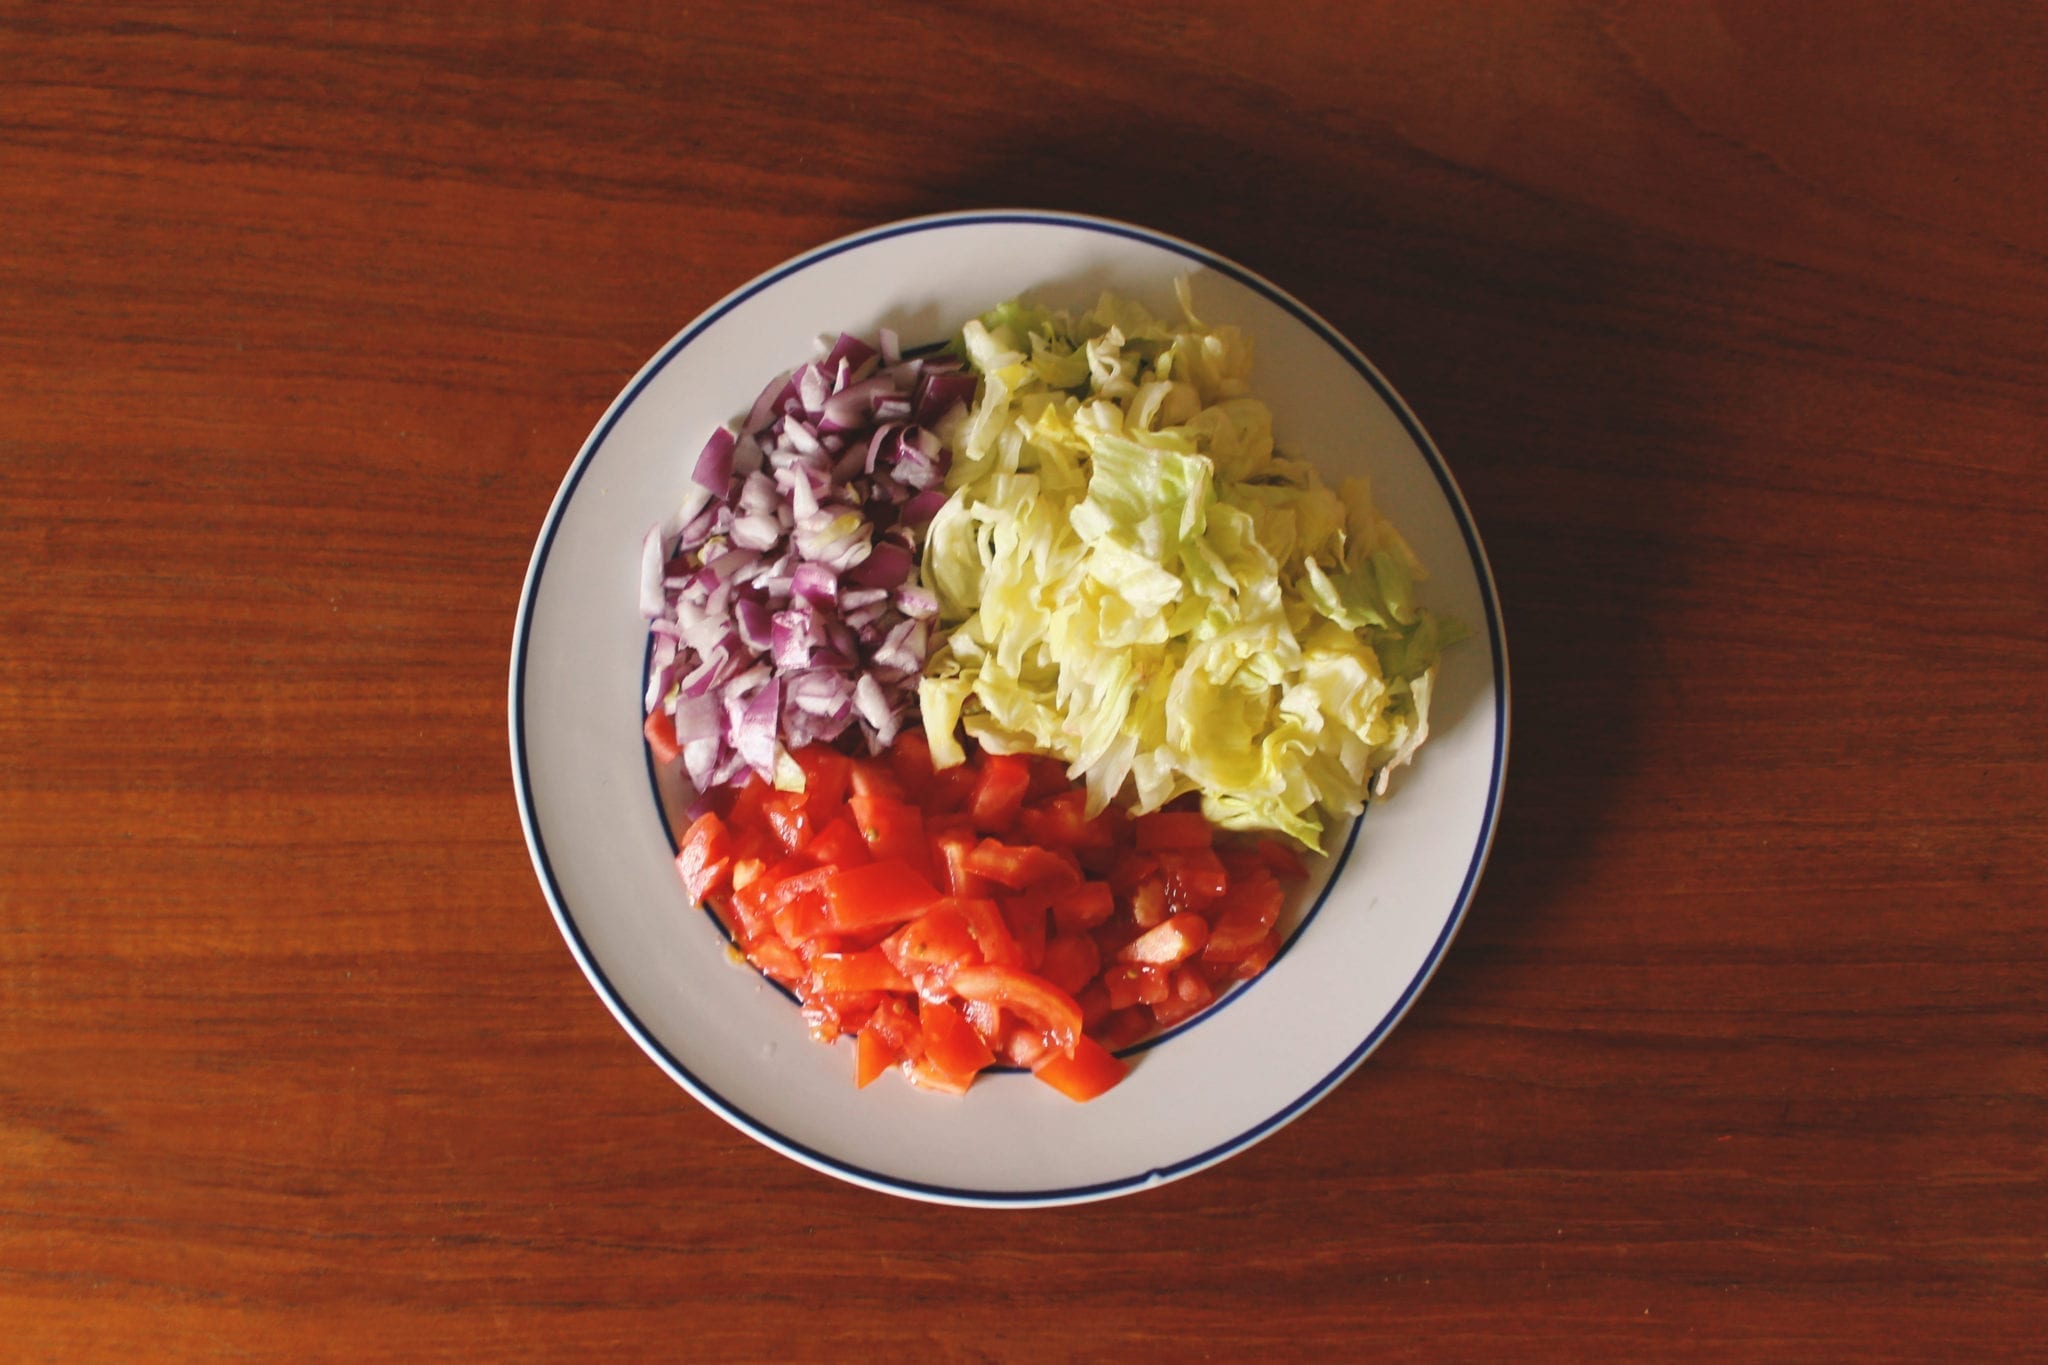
[(783, 594)]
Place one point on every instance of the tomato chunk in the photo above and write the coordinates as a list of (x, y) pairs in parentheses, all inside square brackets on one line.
[(1030, 997), (1020, 866), (1188, 993), (827, 773), (950, 1042), (1254, 909), (1195, 878), (886, 892), (872, 1055), (1086, 906), (1082, 1073), (660, 733), (1071, 962), (891, 828), (910, 758), (999, 792), (866, 970), (991, 931), (705, 861), (837, 845), (948, 917), (1164, 829), (1134, 983), (929, 949), (1148, 901), (1170, 944), (925, 1076), (950, 849)]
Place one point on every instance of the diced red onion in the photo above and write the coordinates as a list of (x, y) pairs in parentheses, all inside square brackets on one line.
[(886, 566), (793, 611), (768, 404), (940, 393), (851, 349), (920, 510), (714, 464), (652, 560)]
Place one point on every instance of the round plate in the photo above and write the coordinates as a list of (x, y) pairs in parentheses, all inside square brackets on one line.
[(1369, 928)]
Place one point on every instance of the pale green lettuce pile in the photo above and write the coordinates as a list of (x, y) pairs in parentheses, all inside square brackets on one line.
[(1136, 582)]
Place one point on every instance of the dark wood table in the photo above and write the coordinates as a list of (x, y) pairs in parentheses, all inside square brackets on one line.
[(1731, 318)]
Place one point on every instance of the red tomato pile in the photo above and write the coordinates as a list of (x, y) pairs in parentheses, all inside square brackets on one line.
[(948, 918)]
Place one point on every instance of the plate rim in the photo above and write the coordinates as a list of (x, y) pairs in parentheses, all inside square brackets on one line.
[(846, 1170)]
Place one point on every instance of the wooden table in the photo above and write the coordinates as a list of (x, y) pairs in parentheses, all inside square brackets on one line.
[(1732, 320)]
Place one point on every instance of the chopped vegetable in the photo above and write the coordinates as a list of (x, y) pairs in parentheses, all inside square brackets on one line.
[(1138, 584), (783, 593), (941, 949)]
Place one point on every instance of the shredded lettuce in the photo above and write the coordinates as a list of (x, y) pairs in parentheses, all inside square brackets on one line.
[(1137, 582)]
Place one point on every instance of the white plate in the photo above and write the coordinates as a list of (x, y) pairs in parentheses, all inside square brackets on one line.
[(1373, 925)]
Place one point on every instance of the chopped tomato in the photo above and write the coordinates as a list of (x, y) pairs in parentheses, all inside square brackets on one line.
[(705, 861), (929, 948), (873, 777), (1094, 1002), (1021, 866), (1170, 944), (891, 828), (1125, 1026), (922, 1074), (895, 1020), (1086, 906), (1164, 829), (831, 1014), (910, 758), (1049, 778), (1134, 983), (826, 774), (801, 920), (1148, 901), (999, 792), (837, 845), (951, 789), (1030, 997), (777, 892), (778, 960), (987, 1021), (1188, 993), (1081, 1073), (1062, 821), (991, 930), (747, 802), (750, 901), (878, 894), (1071, 961), (868, 970), (1026, 1047), (872, 1056), (1258, 959), (1254, 909), (950, 1042), (1195, 878), (950, 848), (789, 815), (1280, 858), (886, 892), (660, 732), (1025, 915)]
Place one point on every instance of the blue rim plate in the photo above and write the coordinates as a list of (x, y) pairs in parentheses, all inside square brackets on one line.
[(1367, 932)]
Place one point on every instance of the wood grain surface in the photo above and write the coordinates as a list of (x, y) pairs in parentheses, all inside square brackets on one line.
[(1732, 320)]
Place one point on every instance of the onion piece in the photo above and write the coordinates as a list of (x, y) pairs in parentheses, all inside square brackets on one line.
[(783, 596)]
